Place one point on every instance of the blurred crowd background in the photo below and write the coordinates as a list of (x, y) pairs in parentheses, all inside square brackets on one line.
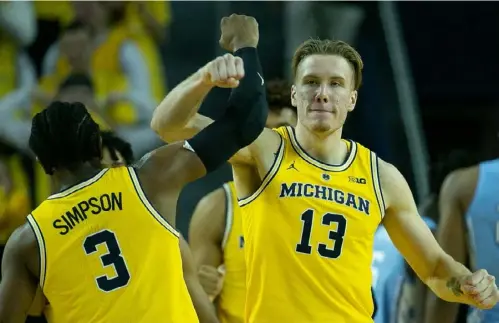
[(428, 103)]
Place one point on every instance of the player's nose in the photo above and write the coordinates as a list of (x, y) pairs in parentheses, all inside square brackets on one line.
[(322, 95)]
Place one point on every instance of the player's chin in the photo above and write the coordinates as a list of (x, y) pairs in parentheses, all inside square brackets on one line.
[(322, 126)]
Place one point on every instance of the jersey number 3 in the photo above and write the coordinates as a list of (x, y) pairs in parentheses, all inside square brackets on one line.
[(336, 236), (112, 258)]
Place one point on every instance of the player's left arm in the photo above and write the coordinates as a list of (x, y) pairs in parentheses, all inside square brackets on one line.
[(19, 275), (447, 278), (451, 234), (204, 308)]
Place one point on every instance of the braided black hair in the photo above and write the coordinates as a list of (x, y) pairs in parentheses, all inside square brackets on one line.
[(115, 144), (63, 136)]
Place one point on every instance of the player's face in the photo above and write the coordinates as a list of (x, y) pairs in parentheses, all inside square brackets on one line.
[(323, 92), (282, 117), (75, 46)]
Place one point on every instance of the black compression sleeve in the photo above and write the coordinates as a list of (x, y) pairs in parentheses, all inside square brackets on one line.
[(243, 121)]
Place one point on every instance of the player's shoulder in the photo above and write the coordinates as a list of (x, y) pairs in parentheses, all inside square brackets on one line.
[(216, 196), (22, 244), (271, 139), (394, 187), (389, 173), (23, 237), (210, 209), (209, 217)]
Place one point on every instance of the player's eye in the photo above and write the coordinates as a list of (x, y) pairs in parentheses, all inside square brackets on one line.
[(335, 83), (310, 82)]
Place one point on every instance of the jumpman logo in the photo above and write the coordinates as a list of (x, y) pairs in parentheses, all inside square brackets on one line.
[(292, 166)]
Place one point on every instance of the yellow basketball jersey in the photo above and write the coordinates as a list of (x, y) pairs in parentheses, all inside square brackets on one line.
[(107, 256), (232, 297), (309, 233)]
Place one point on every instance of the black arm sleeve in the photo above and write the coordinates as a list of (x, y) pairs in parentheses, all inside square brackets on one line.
[(243, 121)]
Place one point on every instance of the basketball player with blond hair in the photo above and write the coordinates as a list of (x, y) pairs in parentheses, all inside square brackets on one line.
[(311, 201)]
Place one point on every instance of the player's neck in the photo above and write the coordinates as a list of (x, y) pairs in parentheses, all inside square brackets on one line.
[(65, 179), (327, 148)]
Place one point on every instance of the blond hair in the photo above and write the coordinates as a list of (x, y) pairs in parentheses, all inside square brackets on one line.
[(329, 47)]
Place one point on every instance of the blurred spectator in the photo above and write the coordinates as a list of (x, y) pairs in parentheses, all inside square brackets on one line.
[(148, 25), (51, 18), (17, 75), (16, 131), (99, 43), (17, 20), (79, 88), (57, 11), (15, 89), (119, 72), (145, 20), (14, 197)]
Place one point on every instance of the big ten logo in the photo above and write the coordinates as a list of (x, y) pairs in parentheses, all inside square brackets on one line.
[(358, 180)]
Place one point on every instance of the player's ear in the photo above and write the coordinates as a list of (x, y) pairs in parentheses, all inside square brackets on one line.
[(353, 101), (293, 95)]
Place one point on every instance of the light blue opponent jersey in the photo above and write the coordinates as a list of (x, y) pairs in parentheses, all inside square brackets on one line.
[(389, 275), (482, 221), (387, 267)]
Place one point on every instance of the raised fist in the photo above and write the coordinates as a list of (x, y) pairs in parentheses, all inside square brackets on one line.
[(224, 71), (480, 288), (238, 31)]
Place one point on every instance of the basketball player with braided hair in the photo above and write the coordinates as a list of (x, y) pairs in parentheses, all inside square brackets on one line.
[(99, 249), (118, 152)]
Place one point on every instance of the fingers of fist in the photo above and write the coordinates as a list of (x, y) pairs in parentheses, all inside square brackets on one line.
[(238, 31), (211, 280), (238, 21), (481, 288), (225, 71)]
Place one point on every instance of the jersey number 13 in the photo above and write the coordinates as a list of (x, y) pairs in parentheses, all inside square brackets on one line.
[(336, 236), (112, 258)]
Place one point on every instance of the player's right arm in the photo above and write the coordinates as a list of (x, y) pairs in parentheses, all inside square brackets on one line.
[(169, 168), (20, 268), (451, 235), (177, 116), (206, 232)]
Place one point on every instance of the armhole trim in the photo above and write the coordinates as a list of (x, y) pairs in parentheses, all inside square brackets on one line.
[(229, 214), (147, 204), (41, 248), (268, 177), (377, 184)]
